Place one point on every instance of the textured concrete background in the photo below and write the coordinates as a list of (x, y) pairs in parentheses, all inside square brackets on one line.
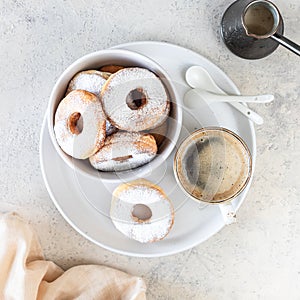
[(257, 258)]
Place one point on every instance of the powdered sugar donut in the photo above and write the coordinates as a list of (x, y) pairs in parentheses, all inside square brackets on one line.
[(79, 124), (142, 211), (123, 151), (135, 99), (91, 81)]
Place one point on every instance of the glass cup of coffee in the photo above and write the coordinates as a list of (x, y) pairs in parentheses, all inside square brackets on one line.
[(213, 165)]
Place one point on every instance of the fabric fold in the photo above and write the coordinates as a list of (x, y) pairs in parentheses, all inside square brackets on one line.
[(25, 274)]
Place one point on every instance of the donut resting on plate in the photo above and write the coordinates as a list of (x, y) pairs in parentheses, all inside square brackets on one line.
[(142, 211)]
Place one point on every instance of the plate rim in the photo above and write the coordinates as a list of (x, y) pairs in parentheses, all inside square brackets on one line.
[(137, 254)]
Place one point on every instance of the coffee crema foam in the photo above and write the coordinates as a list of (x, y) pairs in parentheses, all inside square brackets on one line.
[(213, 165), (259, 19)]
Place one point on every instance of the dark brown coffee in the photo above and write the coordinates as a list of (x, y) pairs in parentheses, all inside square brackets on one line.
[(213, 165), (259, 20)]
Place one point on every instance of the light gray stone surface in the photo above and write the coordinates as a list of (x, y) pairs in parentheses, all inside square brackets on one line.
[(257, 258)]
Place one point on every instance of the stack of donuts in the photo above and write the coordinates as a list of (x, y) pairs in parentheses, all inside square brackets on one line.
[(116, 117)]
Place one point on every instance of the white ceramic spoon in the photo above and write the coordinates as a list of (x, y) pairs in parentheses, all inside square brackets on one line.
[(198, 77), (192, 96)]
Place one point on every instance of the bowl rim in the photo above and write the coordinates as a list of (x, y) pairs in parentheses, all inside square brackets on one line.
[(152, 164)]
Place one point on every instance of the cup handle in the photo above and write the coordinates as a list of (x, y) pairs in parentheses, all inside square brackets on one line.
[(228, 213)]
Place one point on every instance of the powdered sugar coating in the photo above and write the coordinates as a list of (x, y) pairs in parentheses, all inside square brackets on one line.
[(116, 90), (142, 192), (91, 81), (135, 148), (92, 137)]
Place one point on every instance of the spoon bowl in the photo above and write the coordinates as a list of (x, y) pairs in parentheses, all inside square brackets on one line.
[(198, 77)]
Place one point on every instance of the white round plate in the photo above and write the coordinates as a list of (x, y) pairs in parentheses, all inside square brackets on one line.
[(85, 202)]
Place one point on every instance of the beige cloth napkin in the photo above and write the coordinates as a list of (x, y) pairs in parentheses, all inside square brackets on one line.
[(25, 274)]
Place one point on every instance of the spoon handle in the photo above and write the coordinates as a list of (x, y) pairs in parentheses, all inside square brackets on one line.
[(246, 111), (249, 113), (228, 98)]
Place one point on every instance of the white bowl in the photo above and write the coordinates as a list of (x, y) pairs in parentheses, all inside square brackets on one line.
[(124, 58)]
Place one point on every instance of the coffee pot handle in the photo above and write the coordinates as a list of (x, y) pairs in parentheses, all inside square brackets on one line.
[(286, 43)]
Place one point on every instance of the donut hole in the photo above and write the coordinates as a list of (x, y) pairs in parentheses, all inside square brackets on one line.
[(75, 123), (141, 213), (136, 99)]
